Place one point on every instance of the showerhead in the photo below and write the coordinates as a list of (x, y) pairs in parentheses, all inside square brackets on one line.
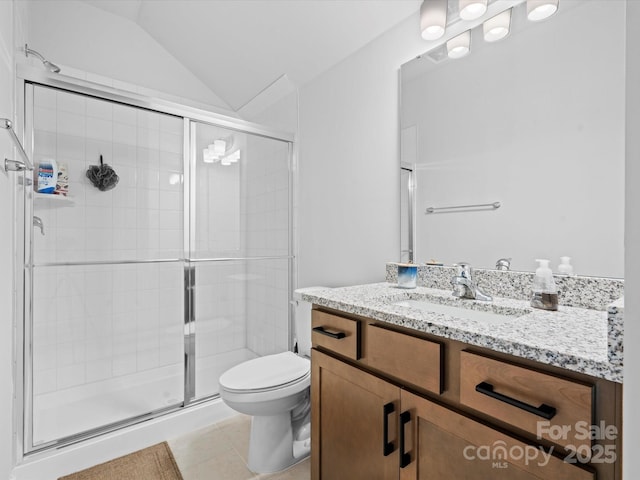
[(52, 67)]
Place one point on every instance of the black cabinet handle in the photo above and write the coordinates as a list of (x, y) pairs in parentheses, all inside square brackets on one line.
[(336, 335), (405, 458), (544, 410), (387, 446)]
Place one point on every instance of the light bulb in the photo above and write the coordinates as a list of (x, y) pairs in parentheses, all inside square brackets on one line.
[(433, 18), (460, 45), (219, 147), (540, 9), (496, 28), (472, 9), (207, 156)]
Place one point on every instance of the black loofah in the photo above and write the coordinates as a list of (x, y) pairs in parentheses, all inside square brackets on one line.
[(102, 176)]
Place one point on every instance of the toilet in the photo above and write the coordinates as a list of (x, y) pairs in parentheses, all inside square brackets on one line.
[(275, 390)]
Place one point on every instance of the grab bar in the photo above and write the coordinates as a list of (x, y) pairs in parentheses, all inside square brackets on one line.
[(493, 205), (15, 165)]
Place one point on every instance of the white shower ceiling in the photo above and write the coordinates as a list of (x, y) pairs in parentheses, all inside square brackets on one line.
[(240, 47)]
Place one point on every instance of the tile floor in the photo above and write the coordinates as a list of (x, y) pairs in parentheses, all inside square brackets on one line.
[(219, 452)]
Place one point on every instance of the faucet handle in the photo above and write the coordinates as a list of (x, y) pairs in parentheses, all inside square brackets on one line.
[(503, 264), (463, 269)]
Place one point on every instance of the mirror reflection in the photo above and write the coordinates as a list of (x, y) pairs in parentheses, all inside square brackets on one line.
[(535, 122)]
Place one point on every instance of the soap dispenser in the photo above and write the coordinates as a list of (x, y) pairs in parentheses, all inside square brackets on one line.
[(565, 266), (545, 293)]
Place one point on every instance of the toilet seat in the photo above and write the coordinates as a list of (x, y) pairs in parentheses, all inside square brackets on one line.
[(278, 372)]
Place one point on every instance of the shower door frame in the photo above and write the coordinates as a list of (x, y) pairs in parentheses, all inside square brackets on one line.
[(27, 79)]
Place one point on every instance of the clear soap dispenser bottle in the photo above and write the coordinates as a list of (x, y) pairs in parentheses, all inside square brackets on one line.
[(565, 266), (544, 293)]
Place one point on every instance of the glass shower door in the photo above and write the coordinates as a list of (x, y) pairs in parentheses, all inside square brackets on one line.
[(239, 250), (138, 297), (105, 271)]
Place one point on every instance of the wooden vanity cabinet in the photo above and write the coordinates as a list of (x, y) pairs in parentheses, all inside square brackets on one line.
[(394, 411), (354, 422), (446, 444)]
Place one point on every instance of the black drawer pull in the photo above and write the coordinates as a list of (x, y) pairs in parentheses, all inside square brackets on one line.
[(405, 458), (387, 446), (544, 410), (329, 333)]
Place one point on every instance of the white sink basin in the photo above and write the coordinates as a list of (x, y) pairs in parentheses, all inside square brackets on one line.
[(464, 313)]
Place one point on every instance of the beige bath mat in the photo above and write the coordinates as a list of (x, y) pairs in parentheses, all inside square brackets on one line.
[(153, 463)]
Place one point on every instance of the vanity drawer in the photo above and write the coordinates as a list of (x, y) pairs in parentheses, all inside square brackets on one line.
[(557, 409), (338, 334), (405, 357)]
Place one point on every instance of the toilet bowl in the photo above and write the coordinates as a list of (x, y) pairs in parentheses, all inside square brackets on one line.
[(275, 390)]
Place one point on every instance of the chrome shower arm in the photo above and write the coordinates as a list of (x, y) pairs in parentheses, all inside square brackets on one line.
[(28, 51), (52, 67)]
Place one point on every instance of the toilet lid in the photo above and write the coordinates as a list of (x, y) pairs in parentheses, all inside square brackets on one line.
[(266, 372)]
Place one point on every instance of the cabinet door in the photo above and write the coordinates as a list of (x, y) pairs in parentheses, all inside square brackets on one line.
[(353, 423), (443, 444)]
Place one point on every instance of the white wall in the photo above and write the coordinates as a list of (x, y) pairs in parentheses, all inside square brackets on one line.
[(348, 166), (7, 90), (75, 34), (536, 124), (349, 192), (631, 413)]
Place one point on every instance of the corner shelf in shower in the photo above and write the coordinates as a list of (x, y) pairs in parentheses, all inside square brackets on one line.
[(52, 200)]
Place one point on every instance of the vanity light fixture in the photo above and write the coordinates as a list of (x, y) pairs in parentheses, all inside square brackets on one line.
[(540, 9), (496, 28), (433, 18), (472, 9), (460, 45), (219, 151)]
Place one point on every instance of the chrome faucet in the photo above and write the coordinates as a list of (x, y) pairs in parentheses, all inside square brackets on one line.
[(464, 286), (37, 222)]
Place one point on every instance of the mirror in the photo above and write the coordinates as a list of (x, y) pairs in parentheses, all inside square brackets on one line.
[(535, 122)]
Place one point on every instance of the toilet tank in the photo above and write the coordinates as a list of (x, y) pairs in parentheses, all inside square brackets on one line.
[(302, 320)]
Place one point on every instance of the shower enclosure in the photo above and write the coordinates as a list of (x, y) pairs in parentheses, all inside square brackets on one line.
[(136, 299)]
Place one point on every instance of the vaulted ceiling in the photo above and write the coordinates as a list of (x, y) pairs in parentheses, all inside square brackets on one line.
[(239, 48)]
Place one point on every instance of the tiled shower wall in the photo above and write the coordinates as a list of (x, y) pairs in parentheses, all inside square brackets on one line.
[(243, 211), (142, 217), (220, 295), (94, 323), (98, 322), (267, 224)]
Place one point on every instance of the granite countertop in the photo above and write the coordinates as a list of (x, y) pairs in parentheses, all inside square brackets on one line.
[(573, 338)]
